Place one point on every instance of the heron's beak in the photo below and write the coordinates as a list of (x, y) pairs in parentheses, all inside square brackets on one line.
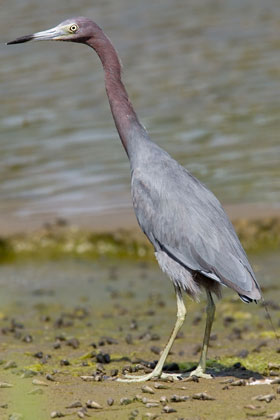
[(55, 34)]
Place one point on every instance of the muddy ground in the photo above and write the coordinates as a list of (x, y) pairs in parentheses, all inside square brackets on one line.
[(73, 318)]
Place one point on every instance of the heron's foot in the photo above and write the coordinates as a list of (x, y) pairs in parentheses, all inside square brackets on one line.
[(200, 373), (152, 375)]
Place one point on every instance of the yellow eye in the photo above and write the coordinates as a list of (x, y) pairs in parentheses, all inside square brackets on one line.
[(73, 28)]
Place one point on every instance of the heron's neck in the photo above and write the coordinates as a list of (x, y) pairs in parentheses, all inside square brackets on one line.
[(126, 120)]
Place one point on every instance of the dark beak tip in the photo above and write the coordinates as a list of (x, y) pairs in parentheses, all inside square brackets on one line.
[(20, 40)]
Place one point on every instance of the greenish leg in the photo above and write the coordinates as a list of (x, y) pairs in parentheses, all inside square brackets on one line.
[(210, 310)]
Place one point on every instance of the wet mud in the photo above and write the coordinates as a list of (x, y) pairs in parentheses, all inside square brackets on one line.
[(69, 328)]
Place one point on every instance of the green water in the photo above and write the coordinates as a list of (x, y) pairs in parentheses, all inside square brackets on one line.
[(203, 76)]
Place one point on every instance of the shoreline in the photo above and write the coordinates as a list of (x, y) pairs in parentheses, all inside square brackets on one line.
[(123, 219), (119, 236)]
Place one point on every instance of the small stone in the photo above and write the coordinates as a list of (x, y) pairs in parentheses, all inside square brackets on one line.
[(203, 396), (125, 401), (5, 385), (39, 355), (243, 353), (152, 404), (73, 342), (75, 404), (103, 358), (27, 338), (110, 402), (114, 372), (93, 404), (39, 383), (155, 350), (273, 365), (267, 398), (147, 389), (163, 400), (167, 409), (4, 406), (129, 339), (160, 386), (149, 416), (49, 377), (10, 365), (64, 362), (240, 382), (16, 416), (57, 345), (179, 398), (57, 414), (28, 373), (87, 378), (276, 416)]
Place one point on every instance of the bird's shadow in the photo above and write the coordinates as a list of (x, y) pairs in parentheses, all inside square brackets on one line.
[(219, 370)]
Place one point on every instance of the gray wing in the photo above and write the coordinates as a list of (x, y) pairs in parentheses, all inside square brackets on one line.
[(183, 218)]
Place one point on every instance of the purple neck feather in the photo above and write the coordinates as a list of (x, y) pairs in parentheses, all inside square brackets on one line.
[(125, 118)]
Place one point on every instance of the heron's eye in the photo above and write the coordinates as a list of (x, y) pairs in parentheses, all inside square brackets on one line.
[(73, 28)]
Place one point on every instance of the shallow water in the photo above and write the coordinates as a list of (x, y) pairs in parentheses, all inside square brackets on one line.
[(203, 76)]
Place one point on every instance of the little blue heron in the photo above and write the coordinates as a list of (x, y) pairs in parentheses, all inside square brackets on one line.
[(195, 243)]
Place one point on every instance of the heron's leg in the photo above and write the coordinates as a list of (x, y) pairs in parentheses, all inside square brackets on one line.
[(181, 314), (210, 310)]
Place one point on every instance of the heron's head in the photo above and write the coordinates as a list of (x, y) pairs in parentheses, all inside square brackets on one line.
[(78, 29)]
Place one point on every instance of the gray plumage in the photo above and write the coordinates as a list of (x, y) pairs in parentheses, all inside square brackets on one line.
[(187, 224)]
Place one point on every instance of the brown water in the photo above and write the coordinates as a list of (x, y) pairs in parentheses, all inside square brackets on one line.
[(203, 76)]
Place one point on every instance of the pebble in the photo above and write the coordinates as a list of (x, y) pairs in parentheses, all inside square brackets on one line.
[(39, 383), (103, 358), (87, 378), (148, 400), (57, 345), (27, 338), (28, 373), (110, 402), (57, 414), (152, 404), (125, 401), (276, 416), (267, 398), (114, 372), (73, 342), (93, 404), (203, 396), (39, 355), (179, 398), (147, 389), (16, 416), (75, 404), (240, 382), (49, 377), (64, 362), (129, 339), (155, 350), (163, 400), (9, 365), (4, 406), (5, 385), (160, 386), (149, 416), (167, 409)]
